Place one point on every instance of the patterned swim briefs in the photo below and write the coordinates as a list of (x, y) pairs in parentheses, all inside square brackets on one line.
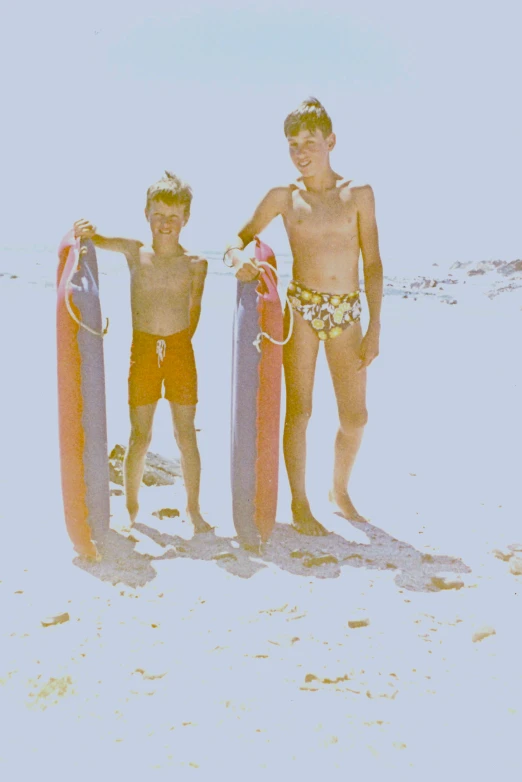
[(329, 314)]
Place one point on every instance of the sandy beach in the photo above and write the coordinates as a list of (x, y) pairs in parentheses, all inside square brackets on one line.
[(383, 650)]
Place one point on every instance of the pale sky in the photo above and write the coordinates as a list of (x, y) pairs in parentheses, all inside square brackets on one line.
[(100, 97)]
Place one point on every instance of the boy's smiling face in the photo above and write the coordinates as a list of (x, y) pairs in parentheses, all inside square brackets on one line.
[(310, 151), (166, 220)]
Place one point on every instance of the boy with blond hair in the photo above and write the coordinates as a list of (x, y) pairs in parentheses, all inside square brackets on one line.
[(167, 285)]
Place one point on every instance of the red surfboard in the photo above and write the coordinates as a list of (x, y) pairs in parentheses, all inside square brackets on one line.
[(81, 398), (256, 402)]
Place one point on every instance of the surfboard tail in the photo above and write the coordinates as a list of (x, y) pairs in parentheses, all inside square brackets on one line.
[(81, 398), (256, 395)]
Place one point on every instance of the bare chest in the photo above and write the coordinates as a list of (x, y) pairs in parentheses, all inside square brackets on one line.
[(310, 215), (164, 277)]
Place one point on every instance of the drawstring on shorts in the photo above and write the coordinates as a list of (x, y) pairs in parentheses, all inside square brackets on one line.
[(161, 349)]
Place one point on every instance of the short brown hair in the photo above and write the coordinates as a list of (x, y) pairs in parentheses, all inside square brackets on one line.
[(171, 190), (310, 115)]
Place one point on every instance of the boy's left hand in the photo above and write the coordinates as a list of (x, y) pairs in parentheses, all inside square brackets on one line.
[(369, 347)]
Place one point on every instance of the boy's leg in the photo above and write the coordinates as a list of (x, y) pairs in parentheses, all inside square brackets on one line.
[(141, 418), (185, 434), (343, 358), (300, 357)]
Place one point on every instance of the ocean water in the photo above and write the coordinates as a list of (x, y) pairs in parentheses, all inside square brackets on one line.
[(447, 283)]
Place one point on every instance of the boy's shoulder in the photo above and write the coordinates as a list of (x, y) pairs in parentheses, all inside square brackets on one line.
[(352, 185), (364, 197), (279, 192), (278, 199), (136, 245), (361, 194), (342, 184), (198, 263), (357, 188)]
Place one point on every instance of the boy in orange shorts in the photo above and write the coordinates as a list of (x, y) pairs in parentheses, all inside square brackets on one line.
[(167, 285)]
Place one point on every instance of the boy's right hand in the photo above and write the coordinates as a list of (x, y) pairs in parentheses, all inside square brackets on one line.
[(83, 229), (246, 268)]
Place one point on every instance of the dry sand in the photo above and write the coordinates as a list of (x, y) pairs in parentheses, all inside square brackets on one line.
[(390, 649)]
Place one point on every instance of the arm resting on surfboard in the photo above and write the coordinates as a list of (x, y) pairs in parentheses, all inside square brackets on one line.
[(272, 205), (83, 229)]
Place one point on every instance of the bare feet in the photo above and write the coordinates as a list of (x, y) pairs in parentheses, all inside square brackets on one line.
[(132, 510), (346, 506), (199, 523), (303, 521), (252, 548)]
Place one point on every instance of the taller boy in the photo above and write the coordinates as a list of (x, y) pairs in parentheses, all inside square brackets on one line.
[(328, 222)]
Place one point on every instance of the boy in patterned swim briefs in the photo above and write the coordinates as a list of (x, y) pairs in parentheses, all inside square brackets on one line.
[(329, 314), (329, 222), (166, 290)]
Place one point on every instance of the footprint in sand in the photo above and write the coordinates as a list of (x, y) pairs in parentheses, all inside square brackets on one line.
[(309, 560), (441, 583), (166, 513)]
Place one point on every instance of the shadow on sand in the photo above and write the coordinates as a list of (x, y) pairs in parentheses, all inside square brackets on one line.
[(321, 557)]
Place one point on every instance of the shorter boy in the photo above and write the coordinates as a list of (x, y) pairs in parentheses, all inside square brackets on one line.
[(167, 286)]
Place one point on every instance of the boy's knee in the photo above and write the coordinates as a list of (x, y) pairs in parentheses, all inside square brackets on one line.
[(139, 439), (354, 419), (297, 419), (298, 410), (185, 435)]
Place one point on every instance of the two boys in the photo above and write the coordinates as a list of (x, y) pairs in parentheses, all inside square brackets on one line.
[(329, 222)]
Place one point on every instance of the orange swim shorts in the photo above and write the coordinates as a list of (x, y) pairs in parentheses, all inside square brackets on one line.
[(162, 362)]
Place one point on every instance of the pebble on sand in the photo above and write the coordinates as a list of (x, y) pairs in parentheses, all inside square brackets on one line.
[(353, 623), (515, 566), (500, 555), (55, 620), (169, 513), (441, 583), (483, 632)]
